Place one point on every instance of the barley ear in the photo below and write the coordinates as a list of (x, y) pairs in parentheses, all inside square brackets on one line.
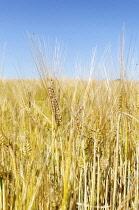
[(54, 103)]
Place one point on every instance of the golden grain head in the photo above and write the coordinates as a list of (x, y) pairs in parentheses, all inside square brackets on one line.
[(26, 150)]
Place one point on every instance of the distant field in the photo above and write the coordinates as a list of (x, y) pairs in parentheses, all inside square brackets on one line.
[(69, 144)]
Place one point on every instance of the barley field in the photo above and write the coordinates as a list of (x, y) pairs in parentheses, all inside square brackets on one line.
[(69, 144)]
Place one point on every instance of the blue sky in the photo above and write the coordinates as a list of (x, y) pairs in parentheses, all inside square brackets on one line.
[(80, 27)]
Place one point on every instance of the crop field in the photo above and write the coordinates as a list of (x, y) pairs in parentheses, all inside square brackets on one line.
[(69, 144)]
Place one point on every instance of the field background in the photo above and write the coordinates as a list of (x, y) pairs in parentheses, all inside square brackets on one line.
[(69, 144)]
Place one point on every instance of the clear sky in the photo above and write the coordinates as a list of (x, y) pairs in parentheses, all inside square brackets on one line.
[(79, 25)]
